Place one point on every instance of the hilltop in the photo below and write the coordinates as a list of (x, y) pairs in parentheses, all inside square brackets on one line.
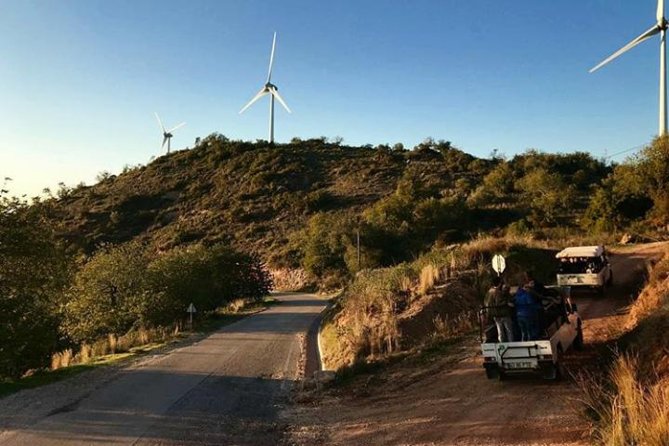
[(259, 198)]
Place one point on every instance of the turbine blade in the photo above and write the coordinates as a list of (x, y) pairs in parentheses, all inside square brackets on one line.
[(645, 36), (271, 59), (160, 123), (660, 11), (177, 127), (275, 93), (263, 91)]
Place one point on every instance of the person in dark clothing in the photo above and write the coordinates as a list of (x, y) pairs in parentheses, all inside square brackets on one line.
[(527, 314)]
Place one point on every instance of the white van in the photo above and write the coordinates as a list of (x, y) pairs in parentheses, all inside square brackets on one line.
[(584, 267)]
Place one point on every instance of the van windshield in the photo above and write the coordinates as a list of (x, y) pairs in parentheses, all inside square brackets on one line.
[(580, 265)]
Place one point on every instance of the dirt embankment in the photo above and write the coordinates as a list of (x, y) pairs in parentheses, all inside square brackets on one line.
[(446, 399)]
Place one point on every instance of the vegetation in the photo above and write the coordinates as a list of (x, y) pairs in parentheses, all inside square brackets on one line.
[(631, 404), (120, 288), (198, 225), (55, 309), (436, 297), (34, 271), (303, 204)]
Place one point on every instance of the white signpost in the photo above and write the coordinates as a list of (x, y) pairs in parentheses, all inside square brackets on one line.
[(191, 309), (498, 264)]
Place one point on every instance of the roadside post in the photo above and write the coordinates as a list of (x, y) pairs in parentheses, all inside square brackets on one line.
[(191, 309)]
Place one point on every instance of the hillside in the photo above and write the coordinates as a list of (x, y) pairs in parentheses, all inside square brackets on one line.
[(258, 197)]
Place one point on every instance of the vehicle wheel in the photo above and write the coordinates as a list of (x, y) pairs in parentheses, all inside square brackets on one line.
[(610, 281), (601, 290), (559, 366), (492, 373), (578, 340), (550, 372), (501, 375)]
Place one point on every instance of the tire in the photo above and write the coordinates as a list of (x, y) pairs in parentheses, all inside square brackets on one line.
[(549, 372), (555, 370), (610, 281), (561, 370), (492, 373), (601, 290), (579, 344)]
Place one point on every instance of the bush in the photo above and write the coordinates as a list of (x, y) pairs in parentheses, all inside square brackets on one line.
[(109, 294), (34, 270), (121, 289)]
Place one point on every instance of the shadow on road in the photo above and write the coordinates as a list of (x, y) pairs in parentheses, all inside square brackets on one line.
[(219, 410)]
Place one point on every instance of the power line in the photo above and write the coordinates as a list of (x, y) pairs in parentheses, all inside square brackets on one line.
[(640, 146)]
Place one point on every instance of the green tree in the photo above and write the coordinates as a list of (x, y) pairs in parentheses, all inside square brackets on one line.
[(109, 293), (547, 195), (34, 270), (325, 241)]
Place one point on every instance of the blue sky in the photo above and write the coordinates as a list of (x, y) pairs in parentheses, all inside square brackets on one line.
[(80, 80)]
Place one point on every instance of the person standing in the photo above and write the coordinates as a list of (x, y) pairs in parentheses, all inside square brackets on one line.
[(500, 307), (527, 314)]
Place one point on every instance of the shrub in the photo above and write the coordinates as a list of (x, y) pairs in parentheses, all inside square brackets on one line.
[(109, 294), (120, 289), (34, 270)]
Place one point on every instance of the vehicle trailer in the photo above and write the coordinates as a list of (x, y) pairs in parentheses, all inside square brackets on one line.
[(543, 355)]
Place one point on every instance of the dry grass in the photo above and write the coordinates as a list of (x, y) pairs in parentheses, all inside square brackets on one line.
[(653, 295), (627, 411), (630, 406), (429, 275), (61, 359), (448, 327), (372, 319), (112, 344)]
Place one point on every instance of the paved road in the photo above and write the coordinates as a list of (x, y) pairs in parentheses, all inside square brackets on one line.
[(224, 389)]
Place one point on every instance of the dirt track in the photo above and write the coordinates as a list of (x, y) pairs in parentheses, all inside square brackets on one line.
[(454, 404)]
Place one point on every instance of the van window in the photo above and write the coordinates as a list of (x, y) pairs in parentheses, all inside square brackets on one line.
[(581, 265)]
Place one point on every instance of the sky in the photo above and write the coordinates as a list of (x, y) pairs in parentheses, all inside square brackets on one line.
[(81, 79)]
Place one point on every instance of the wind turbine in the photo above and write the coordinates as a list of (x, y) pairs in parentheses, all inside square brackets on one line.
[(660, 27), (167, 134), (273, 92)]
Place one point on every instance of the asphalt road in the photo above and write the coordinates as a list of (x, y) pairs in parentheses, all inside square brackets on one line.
[(225, 389)]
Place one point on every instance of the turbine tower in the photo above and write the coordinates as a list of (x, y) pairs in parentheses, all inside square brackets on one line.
[(167, 134), (273, 92), (660, 27)]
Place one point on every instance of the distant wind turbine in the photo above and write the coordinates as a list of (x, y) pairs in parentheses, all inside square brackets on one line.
[(167, 134), (660, 27), (273, 92)]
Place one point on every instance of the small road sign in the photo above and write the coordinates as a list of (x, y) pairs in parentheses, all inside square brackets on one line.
[(191, 309), (498, 264)]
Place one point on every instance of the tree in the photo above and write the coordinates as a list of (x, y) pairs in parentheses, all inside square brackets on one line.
[(109, 293), (34, 271), (546, 195), (325, 241)]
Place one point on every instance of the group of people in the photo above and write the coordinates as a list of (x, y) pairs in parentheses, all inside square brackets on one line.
[(521, 316)]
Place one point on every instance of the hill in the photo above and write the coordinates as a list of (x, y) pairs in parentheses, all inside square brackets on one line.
[(260, 198)]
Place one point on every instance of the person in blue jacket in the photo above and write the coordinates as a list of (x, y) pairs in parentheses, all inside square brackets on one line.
[(527, 314)]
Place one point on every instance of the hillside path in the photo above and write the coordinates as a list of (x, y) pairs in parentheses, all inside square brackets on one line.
[(454, 404), (227, 388)]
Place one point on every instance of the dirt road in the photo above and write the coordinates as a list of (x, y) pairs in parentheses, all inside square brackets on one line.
[(454, 404), (225, 389)]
